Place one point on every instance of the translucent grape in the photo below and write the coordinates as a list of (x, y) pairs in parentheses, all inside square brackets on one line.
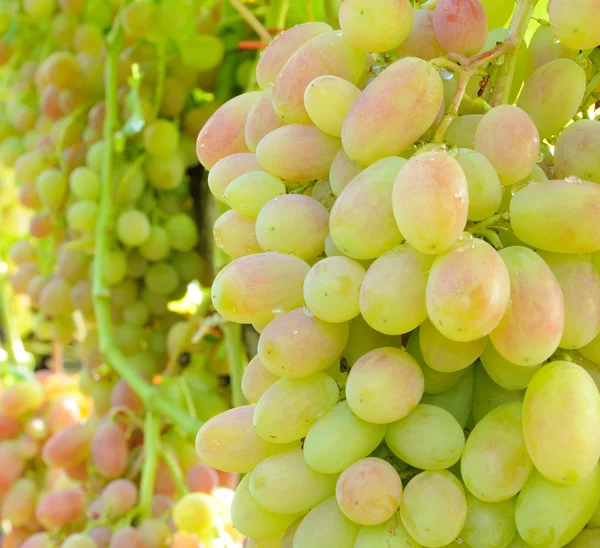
[(576, 24), (544, 47), (363, 338), (389, 534), (248, 193), (342, 171), (161, 278), (85, 183), (261, 120), (384, 385), (235, 235), (161, 138), (256, 380), (133, 227), (82, 216), (421, 41), (194, 513), (288, 408), (487, 395), (460, 26), (504, 373), (575, 151), (228, 169), (384, 120), (156, 247), (51, 187), (588, 538), (490, 524), (165, 172), (533, 324), (182, 232)]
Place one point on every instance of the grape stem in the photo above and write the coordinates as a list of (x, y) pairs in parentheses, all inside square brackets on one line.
[(485, 228), (14, 345), (173, 466), (151, 450), (252, 21), (236, 356), (277, 15)]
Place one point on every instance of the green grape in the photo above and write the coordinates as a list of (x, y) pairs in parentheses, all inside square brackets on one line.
[(133, 227), (228, 442), (189, 265), (561, 422), (392, 295), (165, 172), (421, 41), (297, 152), (579, 281), (461, 133), (129, 182), (51, 187), (460, 27), (54, 299), (256, 380), (325, 526), (430, 202), (393, 112), (544, 48), (532, 326), (85, 183), (508, 138), (434, 508), (136, 314), (202, 52), (551, 515), (161, 278), (384, 385), (156, 246), (248, 193), (137, 20), (504, 373), (94, 156), (362, 223), (288, 408), (82, 216), (182, 232), (436, 382), (490, 524), (497, 11), (331, 289), (588, 538), (376, 28), (552, 95), (340, 438), (575, 24), (297, 344), (389, 534), (487, 395), (39, 9), (429, 438), (161, 138), (594, 521), (369, 491), (575, 153), (591, 351), (495, 464), (235, 235), (327, 100), (457, 400), (362, 339), (485, 190), (322, 192), (223, 133), (262, 119), (229, 169), (284, 483), (342, 171), (72, 264), (18, 504), (294, 224), (327, 53), (276, 282)]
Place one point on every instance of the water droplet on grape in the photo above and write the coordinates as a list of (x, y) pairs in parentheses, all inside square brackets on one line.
[(500, 60), (573, 179), (295, 332), (466, 237), (465, 243), (446, 74), (277, 312), (540, 157), (307, 312), (555, 40), (517, 187)]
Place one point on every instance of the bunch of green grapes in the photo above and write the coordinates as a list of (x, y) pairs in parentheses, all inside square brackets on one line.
[(415, 234)]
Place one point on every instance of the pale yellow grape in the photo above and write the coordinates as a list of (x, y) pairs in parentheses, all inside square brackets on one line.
[(430, 202), (533, 324), (363, 338), (376, 27), (508, 138), (576, 151), (342, 171), (389, 534), (592, 368), (288, 408), (468, 291), (497, 11), (229, 443), (262, 119), (248, 193), (321, 191), (580, 285), (518, 542), (591, 350), (285, 484), (561, 422), (588, 538), (489, 524), (276, 55), (495, 464), (328, 100), (594, 521), (461, 27), (550, 515), (393, 112), (457, 400), (429, 438), (504, 373), (552, 95), (297, 344), (276, 282), (369, 491), (331, 289), (271, 542), (297, 152), (362, 222), (228, 169), (253, 520), (384, 385), (576, 23), (392, 296), (288, 538), (256, 380), (434, 508), (421, 41), (235, 235), (340, 438), (325, 526), (487, 395), (326, 54), (544, 47), (446, 355), (485, 190), (461, 132), (436, 382), (194, 513)]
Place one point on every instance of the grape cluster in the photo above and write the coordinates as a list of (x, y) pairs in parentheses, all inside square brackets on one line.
[(417, 241)]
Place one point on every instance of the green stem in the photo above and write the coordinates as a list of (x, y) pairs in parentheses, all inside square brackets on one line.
[(14, 344), (174, 468), (277, 14), (331, 9), (151, 450), (161, 61), (252, 21), (236, 356)]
